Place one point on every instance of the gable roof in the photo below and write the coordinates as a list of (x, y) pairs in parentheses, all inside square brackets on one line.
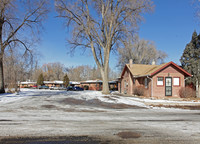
[(141, 70)]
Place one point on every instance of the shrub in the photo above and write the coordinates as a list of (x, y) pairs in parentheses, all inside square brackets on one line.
[(66, 80), (187, 92), (139, 90), (85, 87), (40, 80)]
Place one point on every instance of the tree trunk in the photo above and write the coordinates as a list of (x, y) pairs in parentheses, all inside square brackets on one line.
[(198, 92), (104, 74), (2, 90), (105, 84), (197, 88)]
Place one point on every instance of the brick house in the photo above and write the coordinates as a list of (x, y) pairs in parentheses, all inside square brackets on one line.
[(55, 83), (98, 85), (92, 84), (159, 80), (27, 84)]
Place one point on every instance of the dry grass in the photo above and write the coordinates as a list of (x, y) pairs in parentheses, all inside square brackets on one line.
[(197, 107), (49, 106), (128, 134)]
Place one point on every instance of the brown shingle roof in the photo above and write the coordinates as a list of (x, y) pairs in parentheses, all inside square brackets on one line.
[(140, 70)]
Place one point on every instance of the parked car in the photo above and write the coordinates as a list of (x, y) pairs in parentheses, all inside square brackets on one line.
[(51, 88), (43, 87), (55, 88), (62, 88), (78, 88), (34, 87), (70, 88)]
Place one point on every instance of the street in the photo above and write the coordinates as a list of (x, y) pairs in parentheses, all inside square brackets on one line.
[(85, 117)]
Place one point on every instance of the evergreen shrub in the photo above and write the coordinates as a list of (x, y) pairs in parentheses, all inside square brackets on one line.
[(85, 87)]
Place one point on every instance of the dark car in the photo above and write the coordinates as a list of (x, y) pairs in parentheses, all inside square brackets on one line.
[(43, 87), (78, 89), (70, 88)]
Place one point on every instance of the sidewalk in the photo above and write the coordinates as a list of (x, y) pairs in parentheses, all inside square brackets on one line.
[(169, 102)]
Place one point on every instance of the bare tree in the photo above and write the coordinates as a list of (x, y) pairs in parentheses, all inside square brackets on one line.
[(10, 71), (84, 72), (53, 71), (140, 51), (101, 24), (17, 67), (196, 6), (19, 21)]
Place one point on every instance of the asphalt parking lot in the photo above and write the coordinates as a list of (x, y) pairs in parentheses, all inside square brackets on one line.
[(88, 117)]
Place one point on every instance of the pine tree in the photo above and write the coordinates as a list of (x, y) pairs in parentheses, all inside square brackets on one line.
[(66, 80), (40, 80), (190, 60)]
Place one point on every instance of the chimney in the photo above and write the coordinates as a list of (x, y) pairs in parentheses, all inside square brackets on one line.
[(130, 62), (153, 62)]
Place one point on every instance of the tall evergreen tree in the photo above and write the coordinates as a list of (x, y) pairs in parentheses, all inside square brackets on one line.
[(66, 80), (190, 61), (40, 80)]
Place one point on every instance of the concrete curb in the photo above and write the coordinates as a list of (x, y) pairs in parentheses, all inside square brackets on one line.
[(169, 102)]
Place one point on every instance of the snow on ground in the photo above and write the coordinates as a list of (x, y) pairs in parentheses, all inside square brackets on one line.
[(87, 95), (5, 98), (35, 112), (84, 95)]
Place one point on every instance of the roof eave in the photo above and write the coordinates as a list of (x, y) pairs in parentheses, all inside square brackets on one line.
[(185, 72), (140, 76)]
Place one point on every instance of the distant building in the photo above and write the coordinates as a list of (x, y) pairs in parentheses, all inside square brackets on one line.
[(74, 83), (55, 83), (87, 85), (160, 81), (28, 84), (97, 85), (92, 85)]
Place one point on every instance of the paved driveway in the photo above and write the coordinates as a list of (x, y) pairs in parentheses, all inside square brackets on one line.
[(89, 117)]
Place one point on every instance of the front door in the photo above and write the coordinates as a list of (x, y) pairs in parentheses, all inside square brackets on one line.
[(168, 86)]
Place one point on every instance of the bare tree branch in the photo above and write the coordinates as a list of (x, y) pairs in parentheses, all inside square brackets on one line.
[(19, 20), (102, 24)]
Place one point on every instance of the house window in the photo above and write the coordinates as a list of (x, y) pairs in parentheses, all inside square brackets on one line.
[(160, 81), (176, 81), (146, 83)]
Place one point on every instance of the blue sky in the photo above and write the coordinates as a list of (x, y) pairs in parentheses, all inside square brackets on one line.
[(170, 26)]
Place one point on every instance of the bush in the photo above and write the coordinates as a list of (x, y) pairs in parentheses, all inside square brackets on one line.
[(85, 87), (187, 92), (139, 90), (40, 80), (66, 80)]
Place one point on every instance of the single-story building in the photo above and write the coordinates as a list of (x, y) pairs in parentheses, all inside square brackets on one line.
[(74, 83), (27, 84), (97, 84), (92, 85), (55, 83), (158, 80)]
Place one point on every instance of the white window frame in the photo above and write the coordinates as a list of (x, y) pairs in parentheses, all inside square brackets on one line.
[(176, 81), (160, 83)]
